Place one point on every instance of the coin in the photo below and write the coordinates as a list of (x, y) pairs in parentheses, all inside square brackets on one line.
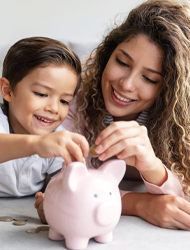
[(19, 223), (20, 218), (43, 228), (32, 231), (84, 161), (92, 151), (6, 218)]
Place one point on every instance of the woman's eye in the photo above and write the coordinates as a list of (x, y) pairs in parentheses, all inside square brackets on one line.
[(64, 102), (149, 80), (121, 62), (40, 94)]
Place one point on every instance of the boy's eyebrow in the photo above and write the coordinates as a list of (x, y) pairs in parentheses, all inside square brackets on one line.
[(49, 88), (151, 70)]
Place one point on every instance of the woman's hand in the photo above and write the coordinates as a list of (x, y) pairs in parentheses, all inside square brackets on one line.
[(166, 211), (129, 141), (70, 146), (39, 206)]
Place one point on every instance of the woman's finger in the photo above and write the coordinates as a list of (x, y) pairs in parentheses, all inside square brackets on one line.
[(111, 129)]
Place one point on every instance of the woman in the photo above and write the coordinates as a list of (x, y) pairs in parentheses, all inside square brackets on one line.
[(134, 104)]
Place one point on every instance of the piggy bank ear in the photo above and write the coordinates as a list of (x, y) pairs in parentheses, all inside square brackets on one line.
[(73, 173), (116, 168)]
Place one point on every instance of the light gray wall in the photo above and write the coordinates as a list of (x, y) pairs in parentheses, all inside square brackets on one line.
[(69, 19), (65, 20)]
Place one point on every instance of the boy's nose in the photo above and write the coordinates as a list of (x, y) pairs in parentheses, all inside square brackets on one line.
[(52, 106)]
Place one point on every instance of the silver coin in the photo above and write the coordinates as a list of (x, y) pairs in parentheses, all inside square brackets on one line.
[(19, 223), (32, 231), (6, 218)]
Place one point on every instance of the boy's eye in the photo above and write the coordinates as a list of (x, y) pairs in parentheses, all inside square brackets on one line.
[(121, 62), (40, 94), (64, 102)]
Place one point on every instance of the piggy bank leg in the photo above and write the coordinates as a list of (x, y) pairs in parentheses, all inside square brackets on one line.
[(104, 238), (54, 235), (75, 243)]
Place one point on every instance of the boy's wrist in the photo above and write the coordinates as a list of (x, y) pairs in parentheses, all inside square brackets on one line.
[(32, 142)]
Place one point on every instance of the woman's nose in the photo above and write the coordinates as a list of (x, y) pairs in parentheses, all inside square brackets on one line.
[(128, 83)]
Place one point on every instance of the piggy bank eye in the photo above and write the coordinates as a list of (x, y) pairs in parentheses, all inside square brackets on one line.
[(95, 195), (110, 193)]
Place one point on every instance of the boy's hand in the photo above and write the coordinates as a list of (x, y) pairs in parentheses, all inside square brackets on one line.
[(70, 146), (39, 206)]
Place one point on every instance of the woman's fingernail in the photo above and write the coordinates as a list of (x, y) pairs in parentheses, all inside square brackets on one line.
[(119, 156), (102, 157), (98, 149), (98, 140)]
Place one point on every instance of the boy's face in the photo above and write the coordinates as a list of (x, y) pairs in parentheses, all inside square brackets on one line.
[(40, 101)]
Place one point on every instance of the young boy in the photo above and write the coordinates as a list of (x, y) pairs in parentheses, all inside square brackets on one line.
[(40, 78)]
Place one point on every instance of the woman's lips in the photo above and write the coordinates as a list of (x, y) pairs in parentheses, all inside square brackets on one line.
[(120, 99)]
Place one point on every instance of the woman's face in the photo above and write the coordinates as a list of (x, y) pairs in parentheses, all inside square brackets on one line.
[(132, 78)]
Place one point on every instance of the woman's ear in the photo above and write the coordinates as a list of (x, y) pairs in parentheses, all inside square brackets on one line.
[(5, 89)]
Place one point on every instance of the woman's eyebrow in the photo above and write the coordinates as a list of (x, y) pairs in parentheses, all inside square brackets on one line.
[(126, 54), (154, 71), (130, 58)]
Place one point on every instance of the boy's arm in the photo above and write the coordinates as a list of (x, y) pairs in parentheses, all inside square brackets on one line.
[(15, 146), (57, 144)]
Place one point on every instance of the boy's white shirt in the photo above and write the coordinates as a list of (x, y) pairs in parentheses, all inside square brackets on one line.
[(25, 176)]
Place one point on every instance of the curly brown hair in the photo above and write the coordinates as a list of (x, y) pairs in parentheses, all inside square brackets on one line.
[(167, 24)]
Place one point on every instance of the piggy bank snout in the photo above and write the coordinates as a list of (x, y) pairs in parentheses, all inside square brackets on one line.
[(106, 213)]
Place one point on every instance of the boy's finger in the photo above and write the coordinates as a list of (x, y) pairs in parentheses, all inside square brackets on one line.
[(39, 200), (83, 144), (37, 203), (38, 194)]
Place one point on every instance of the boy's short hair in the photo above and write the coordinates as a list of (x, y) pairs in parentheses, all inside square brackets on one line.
[(30, 53)]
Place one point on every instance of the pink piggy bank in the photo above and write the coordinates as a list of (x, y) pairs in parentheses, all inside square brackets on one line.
[(82, 203)]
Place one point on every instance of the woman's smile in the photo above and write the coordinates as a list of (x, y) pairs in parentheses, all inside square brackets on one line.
[(122, 100), (132, 77)]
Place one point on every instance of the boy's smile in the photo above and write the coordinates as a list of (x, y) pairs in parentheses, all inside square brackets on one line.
[(40, 101)]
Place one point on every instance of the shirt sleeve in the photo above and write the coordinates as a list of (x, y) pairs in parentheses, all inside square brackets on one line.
[(171, 186), (55, 165)]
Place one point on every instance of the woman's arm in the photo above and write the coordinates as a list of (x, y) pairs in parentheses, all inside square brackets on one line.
[(166, 211)]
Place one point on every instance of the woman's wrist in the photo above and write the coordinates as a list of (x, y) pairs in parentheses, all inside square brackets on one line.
[(132, 203), (158, 175)]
